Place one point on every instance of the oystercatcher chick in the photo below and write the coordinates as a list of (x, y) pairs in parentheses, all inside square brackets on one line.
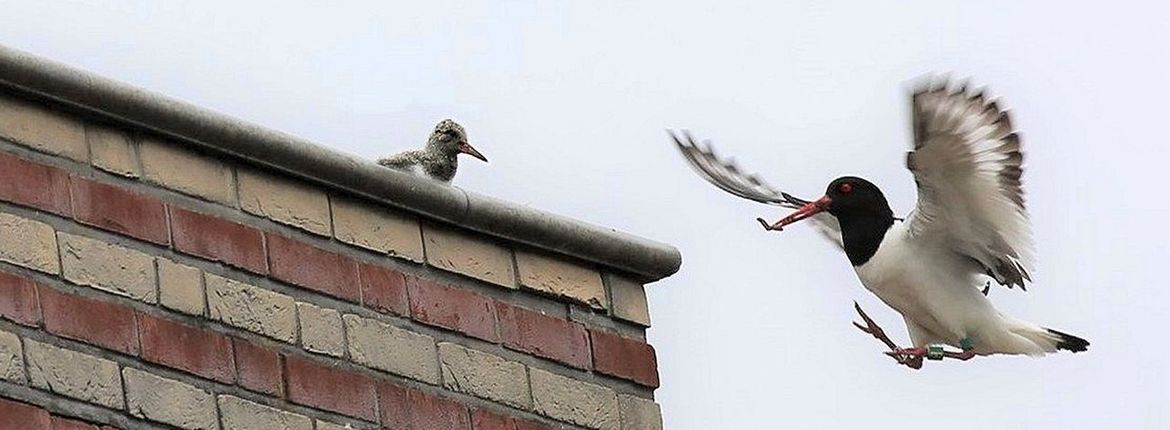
[(440, 158)]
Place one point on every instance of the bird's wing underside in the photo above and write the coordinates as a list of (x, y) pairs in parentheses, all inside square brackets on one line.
[(726, 175), (967, 164)]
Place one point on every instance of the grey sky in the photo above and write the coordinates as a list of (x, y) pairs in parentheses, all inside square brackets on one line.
[(569, 101)]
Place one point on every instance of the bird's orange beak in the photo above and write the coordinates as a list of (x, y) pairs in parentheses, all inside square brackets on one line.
[(808, 210), (466, 148)]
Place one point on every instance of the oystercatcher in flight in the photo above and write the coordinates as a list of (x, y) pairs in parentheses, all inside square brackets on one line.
[(970, 220)]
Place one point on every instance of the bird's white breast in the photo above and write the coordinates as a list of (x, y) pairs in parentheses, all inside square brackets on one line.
[(889, 273), (928, 285)]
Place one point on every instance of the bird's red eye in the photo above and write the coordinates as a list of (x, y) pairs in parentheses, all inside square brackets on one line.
[(845, 188)]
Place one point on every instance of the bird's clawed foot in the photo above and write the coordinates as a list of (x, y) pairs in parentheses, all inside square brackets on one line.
[(902, 355), (872, 328), (910, 357)]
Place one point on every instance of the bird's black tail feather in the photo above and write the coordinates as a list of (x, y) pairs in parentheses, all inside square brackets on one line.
[(1069, 342)]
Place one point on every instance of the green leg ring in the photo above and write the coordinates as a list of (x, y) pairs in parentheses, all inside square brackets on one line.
[(967, 343), (934, 352)]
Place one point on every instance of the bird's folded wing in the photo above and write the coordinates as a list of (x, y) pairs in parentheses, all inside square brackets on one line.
[(400, 160), (728, 177), (967, 164)]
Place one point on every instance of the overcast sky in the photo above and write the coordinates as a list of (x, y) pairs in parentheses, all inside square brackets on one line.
[(569, 101)]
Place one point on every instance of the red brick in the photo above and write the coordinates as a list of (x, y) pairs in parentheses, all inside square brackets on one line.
[(452, 308), (325, 387), (30, 184), (393, 407), (303, 265), (482, 419), (383, 290), (259, 368), (429, 412), (624, 358), (544, 336), (22, 416), (191, 349), (219, 240), (18, 300), (101, 323), (119, 210), (62, 423), (532, 425)]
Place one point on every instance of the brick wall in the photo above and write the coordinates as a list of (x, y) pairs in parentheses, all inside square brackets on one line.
[(145, 284)]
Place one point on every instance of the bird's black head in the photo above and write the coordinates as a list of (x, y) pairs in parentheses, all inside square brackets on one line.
[(450, 140), (850, 196), (861, 210)]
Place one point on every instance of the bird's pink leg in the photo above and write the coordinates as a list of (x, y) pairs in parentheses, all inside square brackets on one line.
[(920, 352), (911, 357), (964, 356)]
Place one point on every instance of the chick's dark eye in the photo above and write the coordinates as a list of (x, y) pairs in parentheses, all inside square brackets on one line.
[(845, 188)]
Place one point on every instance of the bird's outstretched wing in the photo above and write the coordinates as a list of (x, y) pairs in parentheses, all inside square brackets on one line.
[(726, 175), (967, 164)]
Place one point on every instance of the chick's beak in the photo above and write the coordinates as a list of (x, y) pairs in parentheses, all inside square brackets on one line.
[(466, 148)]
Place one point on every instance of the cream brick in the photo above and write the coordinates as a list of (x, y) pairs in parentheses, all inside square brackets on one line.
[(639, 414), (565, 279), (168, 401), (322, 425), (395, 350), (470, 255), (378, 229), (107, 267), (111, 150), (629, 300), (251, 308), (73, 374), (11, 358), (284, 201), (321, 329), (574, 401), (42, 129), (484, 375), (170, 166), (28, 243), (180, 287), (240, 414)]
